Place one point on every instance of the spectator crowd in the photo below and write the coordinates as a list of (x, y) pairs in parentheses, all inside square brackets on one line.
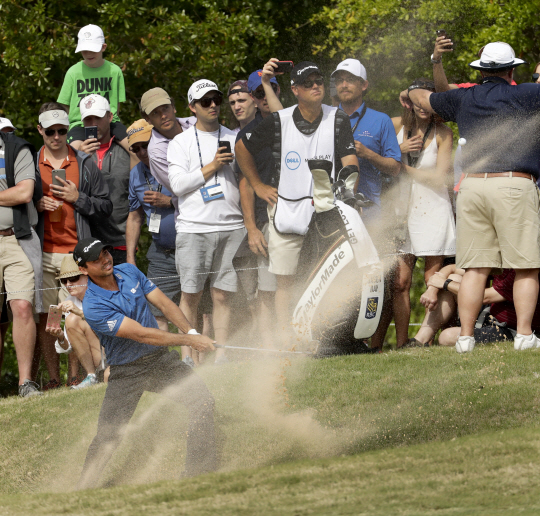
[(205, 191)]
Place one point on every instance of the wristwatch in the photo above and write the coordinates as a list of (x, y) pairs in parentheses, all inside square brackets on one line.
[(435, 61)]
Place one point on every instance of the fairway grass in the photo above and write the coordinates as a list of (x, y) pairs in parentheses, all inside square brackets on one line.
[(425, 431)]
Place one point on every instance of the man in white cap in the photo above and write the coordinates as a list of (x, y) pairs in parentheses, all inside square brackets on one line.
[(497, 205), (209, 225), (114, 163), (6, 126), (70, 201)]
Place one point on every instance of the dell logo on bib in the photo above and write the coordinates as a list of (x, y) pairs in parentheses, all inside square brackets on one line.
[(292, 160)]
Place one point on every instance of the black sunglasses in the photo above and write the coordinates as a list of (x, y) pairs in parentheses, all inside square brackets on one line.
[(207, 101), (309, 84), (51, 132), (73, 279), (137, 148), (259, 93), (535, 76)]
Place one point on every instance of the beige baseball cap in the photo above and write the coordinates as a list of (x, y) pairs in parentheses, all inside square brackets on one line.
[(139, 131), (154, 98), (53, 117)]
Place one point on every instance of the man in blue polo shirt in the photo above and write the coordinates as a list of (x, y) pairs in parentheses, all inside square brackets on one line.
[(116, 308), (374, 136), (497, 204), (151, 203)]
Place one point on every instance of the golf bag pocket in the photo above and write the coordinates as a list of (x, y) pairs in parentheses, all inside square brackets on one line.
[(293, 215)]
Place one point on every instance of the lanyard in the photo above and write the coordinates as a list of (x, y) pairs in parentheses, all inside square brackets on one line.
[(414, 160), (359, 118), (199, 147), (148, 182)]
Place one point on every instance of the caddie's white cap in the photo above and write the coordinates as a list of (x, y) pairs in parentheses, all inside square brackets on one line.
[(352, 66), (53, 117), (90, 38), (496, 55), (6, 122), (200, 88), (94, 104)]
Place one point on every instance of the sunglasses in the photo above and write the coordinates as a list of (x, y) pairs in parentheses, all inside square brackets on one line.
[(535, 76), (259, 93), (207, 102), (73, 279), (137, 148), (51, 132), (309, 84)]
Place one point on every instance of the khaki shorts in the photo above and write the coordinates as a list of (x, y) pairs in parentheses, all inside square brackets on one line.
[(266, 280), (16, 270), (283, 249), (497, 223), (52, 295)]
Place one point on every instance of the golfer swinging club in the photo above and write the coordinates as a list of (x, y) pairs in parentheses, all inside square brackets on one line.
[(116, 308)]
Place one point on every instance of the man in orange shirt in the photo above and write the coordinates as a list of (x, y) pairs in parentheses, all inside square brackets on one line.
[(67, 206)]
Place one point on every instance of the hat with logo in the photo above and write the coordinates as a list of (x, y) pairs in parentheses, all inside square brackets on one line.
[(302, 71), (53, 117), (90, 38), (139, 131), (495, 56), (154, 98), (68, 268), (94, 104), (255, 80), (200, 88), (353, 66), (88, 250), (240, 86), (5, 122)]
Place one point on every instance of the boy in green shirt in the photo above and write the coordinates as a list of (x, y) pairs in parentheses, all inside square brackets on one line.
[(93, 75)]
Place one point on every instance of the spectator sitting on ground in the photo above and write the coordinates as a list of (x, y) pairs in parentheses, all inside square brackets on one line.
[(241, 103), (114, 163), (93, 75), (429, 228), (77, 335), (440, 299)]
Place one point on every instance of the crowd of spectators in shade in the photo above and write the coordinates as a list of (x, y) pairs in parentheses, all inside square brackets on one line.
[(202, 189)]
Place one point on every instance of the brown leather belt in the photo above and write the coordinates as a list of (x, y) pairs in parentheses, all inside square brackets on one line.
[(7, 232), (503, 174)]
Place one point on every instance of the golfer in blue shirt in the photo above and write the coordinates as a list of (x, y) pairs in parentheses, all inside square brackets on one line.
[(116, 308)]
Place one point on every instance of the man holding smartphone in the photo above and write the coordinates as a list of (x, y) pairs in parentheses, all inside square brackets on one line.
[(114, 163), (74, 194), (209, 225)]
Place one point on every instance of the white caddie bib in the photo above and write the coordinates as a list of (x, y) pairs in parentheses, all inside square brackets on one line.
[(294, 207)]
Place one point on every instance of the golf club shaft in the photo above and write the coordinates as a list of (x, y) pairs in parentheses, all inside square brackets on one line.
[(266, 350)]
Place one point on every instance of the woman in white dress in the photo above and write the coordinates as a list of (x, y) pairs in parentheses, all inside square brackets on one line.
[(426, 149)]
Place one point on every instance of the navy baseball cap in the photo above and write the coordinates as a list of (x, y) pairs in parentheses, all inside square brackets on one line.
[(88, 250), (254, 81)]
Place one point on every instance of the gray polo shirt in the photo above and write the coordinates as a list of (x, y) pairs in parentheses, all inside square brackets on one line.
[(24, 169)]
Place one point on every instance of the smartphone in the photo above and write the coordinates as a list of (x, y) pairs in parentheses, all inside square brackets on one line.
[(442, 32), (58, 172), (54, 318), (90, 132), (284, 66), (225, 143)]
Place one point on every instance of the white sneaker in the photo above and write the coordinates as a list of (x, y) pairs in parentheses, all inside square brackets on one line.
[(465, 344), (526, 342), (87, 382)]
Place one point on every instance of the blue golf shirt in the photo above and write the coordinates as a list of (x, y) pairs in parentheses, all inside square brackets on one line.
[(104, 310), (376, 132), (500, 123), (137, 186)]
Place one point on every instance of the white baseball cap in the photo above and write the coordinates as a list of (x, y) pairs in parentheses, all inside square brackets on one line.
[(53, 117), (94, 104), (90, 38), (496, 55), (6, 122), (352, 66), (200, 88)]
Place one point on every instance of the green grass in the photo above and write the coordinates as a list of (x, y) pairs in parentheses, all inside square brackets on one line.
[(424, 431)]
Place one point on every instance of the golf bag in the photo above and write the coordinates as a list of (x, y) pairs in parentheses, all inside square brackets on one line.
[(340, 277)]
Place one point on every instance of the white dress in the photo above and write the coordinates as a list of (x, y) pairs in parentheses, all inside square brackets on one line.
[(432, 229)]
